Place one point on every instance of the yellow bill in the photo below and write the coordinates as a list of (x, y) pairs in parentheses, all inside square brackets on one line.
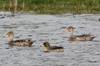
[(42, 45), (66, 30), (6, 35)]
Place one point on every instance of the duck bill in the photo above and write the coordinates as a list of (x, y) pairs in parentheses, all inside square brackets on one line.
[(66, 30), (42, 45), (6, 36)]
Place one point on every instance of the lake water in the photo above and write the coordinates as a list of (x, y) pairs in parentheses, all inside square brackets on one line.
[(50, 28)]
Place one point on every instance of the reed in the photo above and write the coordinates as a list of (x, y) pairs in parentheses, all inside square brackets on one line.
[(56, 6)]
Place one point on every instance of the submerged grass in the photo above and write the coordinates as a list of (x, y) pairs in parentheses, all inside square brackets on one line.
[(57, 6)]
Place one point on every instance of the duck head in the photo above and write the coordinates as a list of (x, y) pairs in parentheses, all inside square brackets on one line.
[(9, 34), (46, 44), (69, 29)]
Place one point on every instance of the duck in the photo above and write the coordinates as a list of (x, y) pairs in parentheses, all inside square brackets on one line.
[(49, 48), (83, 37), (21, 42), (98, 19)]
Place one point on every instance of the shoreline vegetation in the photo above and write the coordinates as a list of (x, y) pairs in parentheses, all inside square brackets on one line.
[(51, 6)]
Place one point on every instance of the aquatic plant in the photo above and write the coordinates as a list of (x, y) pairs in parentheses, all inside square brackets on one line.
[(54, 6)]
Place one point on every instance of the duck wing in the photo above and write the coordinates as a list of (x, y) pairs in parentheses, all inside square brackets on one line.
[(84, 37), (55, 47), (23, 42)]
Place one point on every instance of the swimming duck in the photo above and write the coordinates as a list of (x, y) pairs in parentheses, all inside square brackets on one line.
[(84, 37), (24, 42), (49, 48), (98, 19)]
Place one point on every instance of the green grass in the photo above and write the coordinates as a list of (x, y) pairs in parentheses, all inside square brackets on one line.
[(58, 6)]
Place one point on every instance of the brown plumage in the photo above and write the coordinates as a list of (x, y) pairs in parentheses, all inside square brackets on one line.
[(52, 48), (24, 42), (84, 37)]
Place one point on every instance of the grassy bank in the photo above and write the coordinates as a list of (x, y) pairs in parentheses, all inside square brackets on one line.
[(56, 6)]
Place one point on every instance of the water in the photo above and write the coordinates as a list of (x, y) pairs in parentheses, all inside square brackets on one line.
[(50, 28)]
